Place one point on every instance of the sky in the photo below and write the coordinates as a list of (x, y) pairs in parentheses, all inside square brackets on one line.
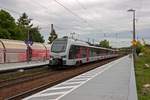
[(90, 19)]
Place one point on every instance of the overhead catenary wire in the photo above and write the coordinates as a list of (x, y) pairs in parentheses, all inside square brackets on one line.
[(84, 20), (85, 9), (46, 8), (70, 10)]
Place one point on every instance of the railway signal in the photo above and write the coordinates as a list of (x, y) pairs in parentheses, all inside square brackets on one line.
[(134, 42)]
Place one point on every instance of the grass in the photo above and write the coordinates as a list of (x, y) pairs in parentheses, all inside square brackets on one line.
[(143, 77)]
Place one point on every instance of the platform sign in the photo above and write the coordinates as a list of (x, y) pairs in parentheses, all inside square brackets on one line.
[(28, 42)]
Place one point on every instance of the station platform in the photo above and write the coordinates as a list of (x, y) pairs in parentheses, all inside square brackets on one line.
[(21, 65), (112, 81)]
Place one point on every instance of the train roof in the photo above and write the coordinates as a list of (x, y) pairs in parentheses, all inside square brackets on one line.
[(77, 42), (83, 43), (102, 48)]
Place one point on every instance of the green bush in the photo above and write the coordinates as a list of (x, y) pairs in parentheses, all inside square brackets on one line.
[(139, 47)]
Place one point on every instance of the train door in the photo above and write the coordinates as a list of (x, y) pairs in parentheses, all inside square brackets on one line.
[(79, 55), (84, 54), (74, 54), (88, 54)]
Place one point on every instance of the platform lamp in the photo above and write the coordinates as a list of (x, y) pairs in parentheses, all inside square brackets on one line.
[(134, 40)]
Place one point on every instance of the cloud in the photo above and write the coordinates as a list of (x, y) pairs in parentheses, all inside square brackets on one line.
[(100, 16)]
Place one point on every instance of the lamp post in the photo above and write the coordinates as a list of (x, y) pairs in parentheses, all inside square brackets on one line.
[(134, 40)]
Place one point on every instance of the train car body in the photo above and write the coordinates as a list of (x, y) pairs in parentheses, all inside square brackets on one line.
[(68, 52)]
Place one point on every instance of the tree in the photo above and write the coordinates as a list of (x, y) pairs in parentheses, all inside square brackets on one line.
[(25, 26), (104, 43), (9, 29), (52, 36), (35, 35), (7, 26), (24, 21)]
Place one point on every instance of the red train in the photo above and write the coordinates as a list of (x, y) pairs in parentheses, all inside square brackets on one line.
[(16, 51)]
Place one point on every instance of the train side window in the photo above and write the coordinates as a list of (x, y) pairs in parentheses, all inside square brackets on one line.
[(102, 52), (91, 52), (108, 51), (97, 52), (84, 52), (94, 52), (73, 52)]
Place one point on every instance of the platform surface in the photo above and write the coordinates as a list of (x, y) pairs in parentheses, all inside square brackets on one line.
[(113, 81), (12, 66)]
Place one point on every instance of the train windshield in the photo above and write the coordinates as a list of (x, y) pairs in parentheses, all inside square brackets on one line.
[(59, 45)]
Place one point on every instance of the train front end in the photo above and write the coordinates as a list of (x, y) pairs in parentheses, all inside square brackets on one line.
[(58, 52)]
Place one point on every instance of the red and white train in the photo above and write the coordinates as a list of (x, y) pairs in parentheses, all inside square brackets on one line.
[(68, 52), (16, 51)]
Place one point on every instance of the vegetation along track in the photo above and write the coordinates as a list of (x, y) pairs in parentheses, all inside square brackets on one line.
[(26, 86)]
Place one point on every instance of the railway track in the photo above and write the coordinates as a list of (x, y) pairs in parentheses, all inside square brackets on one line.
[(20, 88), (13, 77), (18, 80)]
